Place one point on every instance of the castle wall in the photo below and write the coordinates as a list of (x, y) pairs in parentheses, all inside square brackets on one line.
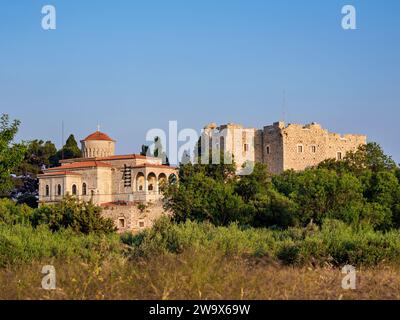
[(134, 219), (281, 147), (304, 146), (272, 152), (307, 146), (343, 143), (235, 140), (259, 146)]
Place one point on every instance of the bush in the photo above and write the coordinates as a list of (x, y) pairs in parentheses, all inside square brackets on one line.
[(335, 243), (13, 213), (81, 217), (24, 244)]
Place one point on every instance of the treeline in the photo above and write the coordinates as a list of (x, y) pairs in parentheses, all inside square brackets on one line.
[(363, 188), (20, 163)]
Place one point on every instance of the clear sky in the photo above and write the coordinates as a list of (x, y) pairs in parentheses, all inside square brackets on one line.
[(134, 65)]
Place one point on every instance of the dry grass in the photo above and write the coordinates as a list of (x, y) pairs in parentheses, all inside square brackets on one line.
[(195, 275)]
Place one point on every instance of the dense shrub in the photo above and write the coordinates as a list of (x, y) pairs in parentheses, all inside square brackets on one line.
[(334, 243), (24, 244), (13, 213), (82, 217)]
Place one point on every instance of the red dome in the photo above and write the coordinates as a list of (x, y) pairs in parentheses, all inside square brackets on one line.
[(98, 136)]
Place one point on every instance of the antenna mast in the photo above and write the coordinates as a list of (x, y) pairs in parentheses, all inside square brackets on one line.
[(62, 140)]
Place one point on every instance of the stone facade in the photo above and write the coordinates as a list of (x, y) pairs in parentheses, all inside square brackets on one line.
[(133, 217), (281, 146), (119, 183)]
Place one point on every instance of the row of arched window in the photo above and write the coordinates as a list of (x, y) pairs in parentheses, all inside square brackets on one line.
[(59, 190), (89, 152)]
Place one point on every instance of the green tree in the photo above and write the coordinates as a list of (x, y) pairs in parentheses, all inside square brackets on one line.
[(258, 182), (322, 193), (13, 213), (38, 153), (69, 151), (272, 209), (369, 156), (202, 198), (286, 183), (397, 173), (11, 154), (81, 217)]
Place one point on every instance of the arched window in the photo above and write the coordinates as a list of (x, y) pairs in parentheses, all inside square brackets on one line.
[(59, 190), (222, 143), (140, 181), (47, 190), (84, 189), (151, 181), (74, 191)]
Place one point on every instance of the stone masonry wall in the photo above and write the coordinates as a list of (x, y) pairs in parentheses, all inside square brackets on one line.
[(282, 147), (306, 146), (134, 219)]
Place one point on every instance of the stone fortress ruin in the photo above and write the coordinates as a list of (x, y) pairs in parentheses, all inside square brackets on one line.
[(280, 146)]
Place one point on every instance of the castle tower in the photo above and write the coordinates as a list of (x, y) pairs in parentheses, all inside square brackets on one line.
[(98, 144)]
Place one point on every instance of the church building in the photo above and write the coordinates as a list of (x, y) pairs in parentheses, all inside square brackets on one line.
[(118, 183)]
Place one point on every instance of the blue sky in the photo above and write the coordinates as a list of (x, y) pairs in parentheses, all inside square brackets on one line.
[(135, 65)]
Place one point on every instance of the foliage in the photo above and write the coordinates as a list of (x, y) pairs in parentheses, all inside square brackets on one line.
[(11, 154), (362, 188), (321, 193), (23, 244), (81, 217), (334, 243), (12, 213), (204, 198), (69, 151), (366, 157), (38, 154)]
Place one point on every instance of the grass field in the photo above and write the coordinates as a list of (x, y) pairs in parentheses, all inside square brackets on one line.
[(200, 261), (195, 275)]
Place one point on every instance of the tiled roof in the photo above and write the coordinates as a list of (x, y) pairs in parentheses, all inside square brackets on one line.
[(59, 173), (121, 157), (109, 158), (81, 164), (150, 165), (98, 136)]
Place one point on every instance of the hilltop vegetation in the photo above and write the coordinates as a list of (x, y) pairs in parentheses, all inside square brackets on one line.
[(364, 188)]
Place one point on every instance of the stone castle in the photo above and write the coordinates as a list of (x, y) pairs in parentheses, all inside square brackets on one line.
[(128, 186), (281, 146)]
